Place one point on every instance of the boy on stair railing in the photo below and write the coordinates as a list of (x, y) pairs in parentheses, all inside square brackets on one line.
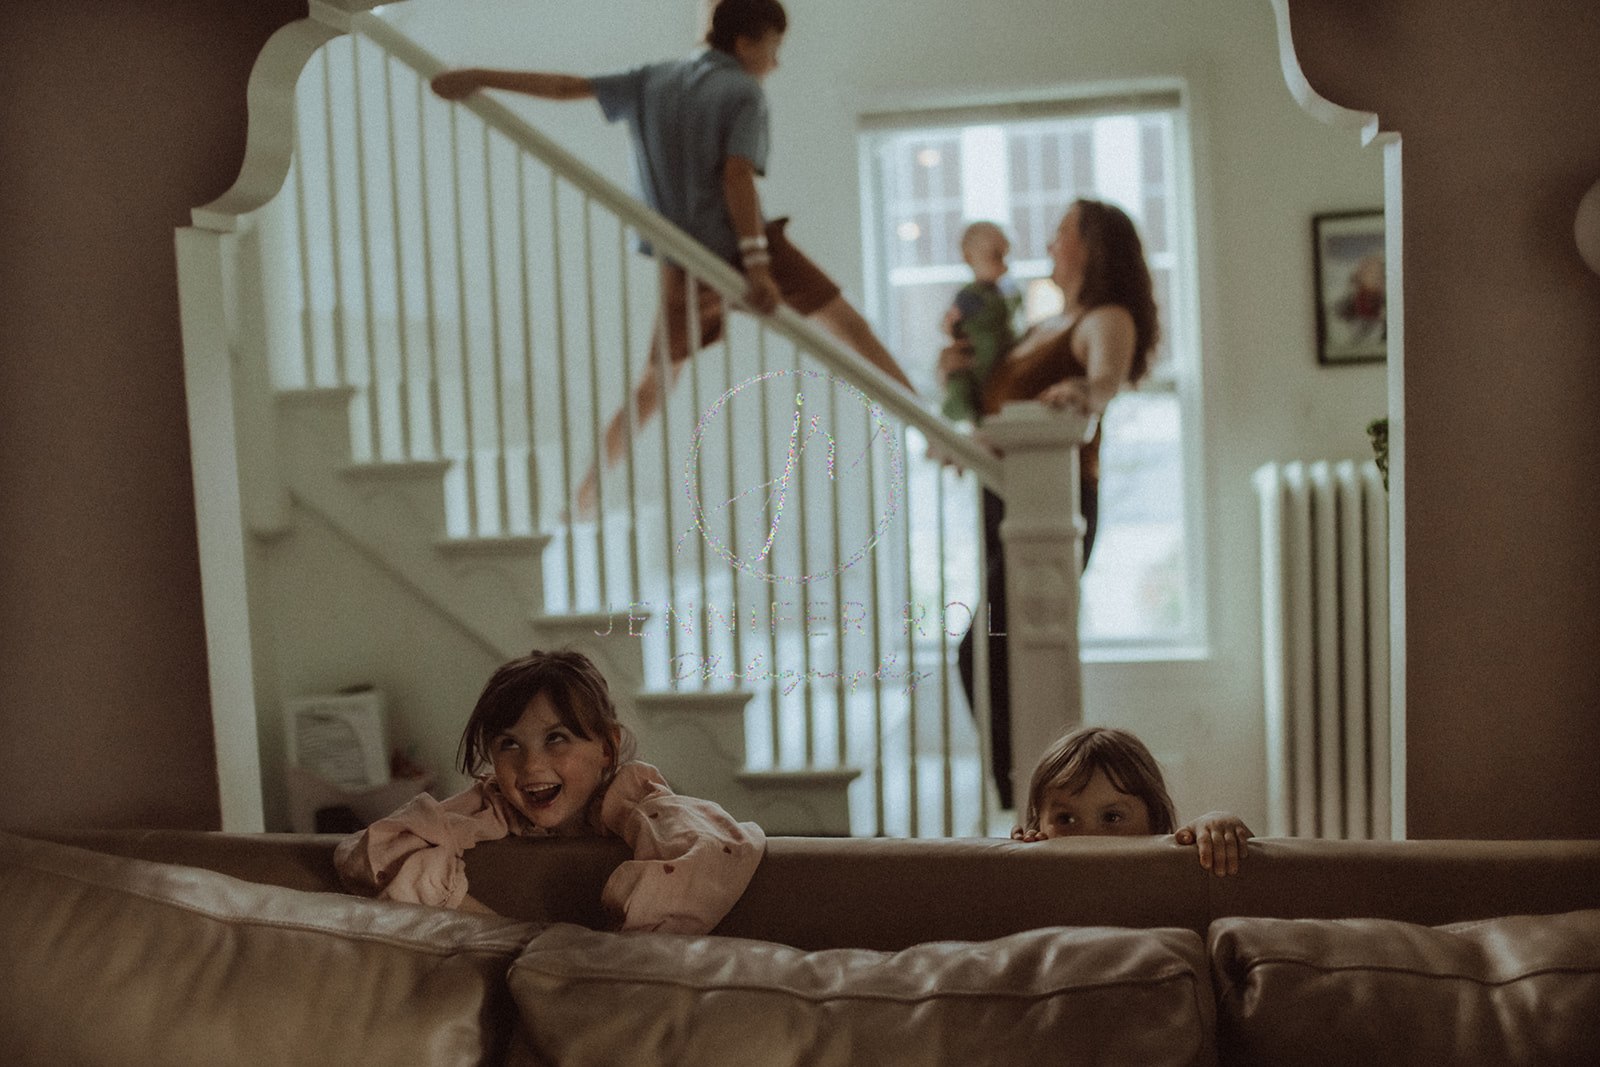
[(699, 130)]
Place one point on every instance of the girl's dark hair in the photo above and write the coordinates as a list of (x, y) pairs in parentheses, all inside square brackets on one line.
[(1116, 273), (574, 687), (733, 19), (1072, 761)]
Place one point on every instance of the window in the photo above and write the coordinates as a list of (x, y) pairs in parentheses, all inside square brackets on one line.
[(927, 175)]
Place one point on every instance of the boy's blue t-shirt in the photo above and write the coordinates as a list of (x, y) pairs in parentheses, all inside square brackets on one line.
[(686, 116)]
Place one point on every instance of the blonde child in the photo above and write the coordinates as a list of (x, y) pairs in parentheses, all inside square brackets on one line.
[(982, 314), (1099, 780), (560, 764)]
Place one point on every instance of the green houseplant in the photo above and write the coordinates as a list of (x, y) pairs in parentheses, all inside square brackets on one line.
[(1378, 431)]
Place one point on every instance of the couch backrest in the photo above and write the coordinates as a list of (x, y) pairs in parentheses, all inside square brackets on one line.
[(889, 893), (295, 861)]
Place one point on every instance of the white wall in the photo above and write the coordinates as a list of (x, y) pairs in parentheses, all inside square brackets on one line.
[(365, 629), (1263, 168)]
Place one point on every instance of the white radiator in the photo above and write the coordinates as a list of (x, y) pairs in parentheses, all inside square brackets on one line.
[(1325, 649)]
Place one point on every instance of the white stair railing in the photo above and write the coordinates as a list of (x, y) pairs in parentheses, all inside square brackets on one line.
[(777, 529)]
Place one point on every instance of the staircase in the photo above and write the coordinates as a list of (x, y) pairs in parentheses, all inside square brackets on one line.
[(425, 329), (493, 587)]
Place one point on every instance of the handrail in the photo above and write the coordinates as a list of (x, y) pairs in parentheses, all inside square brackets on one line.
[(695, 257)]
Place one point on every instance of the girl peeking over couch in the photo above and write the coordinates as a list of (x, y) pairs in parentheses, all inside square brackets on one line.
[(560, 764), (1099, 780)]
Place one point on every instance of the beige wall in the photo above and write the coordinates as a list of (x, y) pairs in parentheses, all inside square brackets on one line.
[(1495, 105), (116, 119)]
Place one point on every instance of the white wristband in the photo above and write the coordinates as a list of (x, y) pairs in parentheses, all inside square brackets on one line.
[(752, 244), (755, 259)]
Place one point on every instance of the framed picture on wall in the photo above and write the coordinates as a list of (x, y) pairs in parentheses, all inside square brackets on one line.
[(1351, 303)]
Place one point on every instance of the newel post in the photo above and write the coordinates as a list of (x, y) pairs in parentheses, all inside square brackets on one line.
[(1043, 538)]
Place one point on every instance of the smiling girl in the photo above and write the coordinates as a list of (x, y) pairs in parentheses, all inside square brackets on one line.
[(560, 764)]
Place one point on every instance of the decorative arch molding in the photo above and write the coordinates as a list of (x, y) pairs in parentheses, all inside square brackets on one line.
[(1586, 220), (270, 107), (219, 429), (1318, 106)]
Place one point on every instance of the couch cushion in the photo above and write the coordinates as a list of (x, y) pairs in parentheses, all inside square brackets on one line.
[(1065, 995), (1518, 990), (105, 959)]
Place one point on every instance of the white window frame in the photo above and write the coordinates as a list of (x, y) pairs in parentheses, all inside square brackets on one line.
[(1186, 362)]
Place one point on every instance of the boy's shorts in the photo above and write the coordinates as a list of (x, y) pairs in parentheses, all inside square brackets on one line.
[(802, 284)]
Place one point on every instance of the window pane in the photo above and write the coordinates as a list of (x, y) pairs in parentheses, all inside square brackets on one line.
[(948, 250), (1136, 587), (1083, 163), (918, 310), (1161, 369), (1153, 133), (1025, 229), (1155, 223), (1049, 162)]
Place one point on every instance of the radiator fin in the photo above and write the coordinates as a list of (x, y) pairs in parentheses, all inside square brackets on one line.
[(1325, 649)]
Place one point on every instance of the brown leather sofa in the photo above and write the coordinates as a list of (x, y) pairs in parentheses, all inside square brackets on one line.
[(178, 947)]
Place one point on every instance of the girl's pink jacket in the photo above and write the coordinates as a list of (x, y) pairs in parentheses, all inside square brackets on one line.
[(691, 860)]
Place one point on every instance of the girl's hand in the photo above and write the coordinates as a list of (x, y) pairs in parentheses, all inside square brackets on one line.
[(1070, 392), (1221, 837), (456, 84), (954, 358), (1019, 834)]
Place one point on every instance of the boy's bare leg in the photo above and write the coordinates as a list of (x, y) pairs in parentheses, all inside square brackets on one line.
[(837, 316), (647, 394), (846, 323), (646, 402)]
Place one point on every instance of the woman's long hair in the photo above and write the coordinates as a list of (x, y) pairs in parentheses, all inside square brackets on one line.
[(1115, 272)]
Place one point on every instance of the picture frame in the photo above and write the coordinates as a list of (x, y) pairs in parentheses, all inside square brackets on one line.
[(1349, 272), (340, 738)]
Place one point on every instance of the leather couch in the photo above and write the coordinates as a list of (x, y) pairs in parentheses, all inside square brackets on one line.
[(179, 947)]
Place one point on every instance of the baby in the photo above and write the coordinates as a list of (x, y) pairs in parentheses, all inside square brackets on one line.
[(1099, 780), (982, 315)]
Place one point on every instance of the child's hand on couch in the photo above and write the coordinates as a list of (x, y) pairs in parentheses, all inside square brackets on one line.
[(1221, 836)]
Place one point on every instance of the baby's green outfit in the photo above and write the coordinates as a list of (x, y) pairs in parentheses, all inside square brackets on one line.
[(987, 310)]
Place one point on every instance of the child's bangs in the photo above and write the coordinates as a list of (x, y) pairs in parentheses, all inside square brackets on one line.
[(577, 708), (1124, 774), (1075, 774), (1120, 769)]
